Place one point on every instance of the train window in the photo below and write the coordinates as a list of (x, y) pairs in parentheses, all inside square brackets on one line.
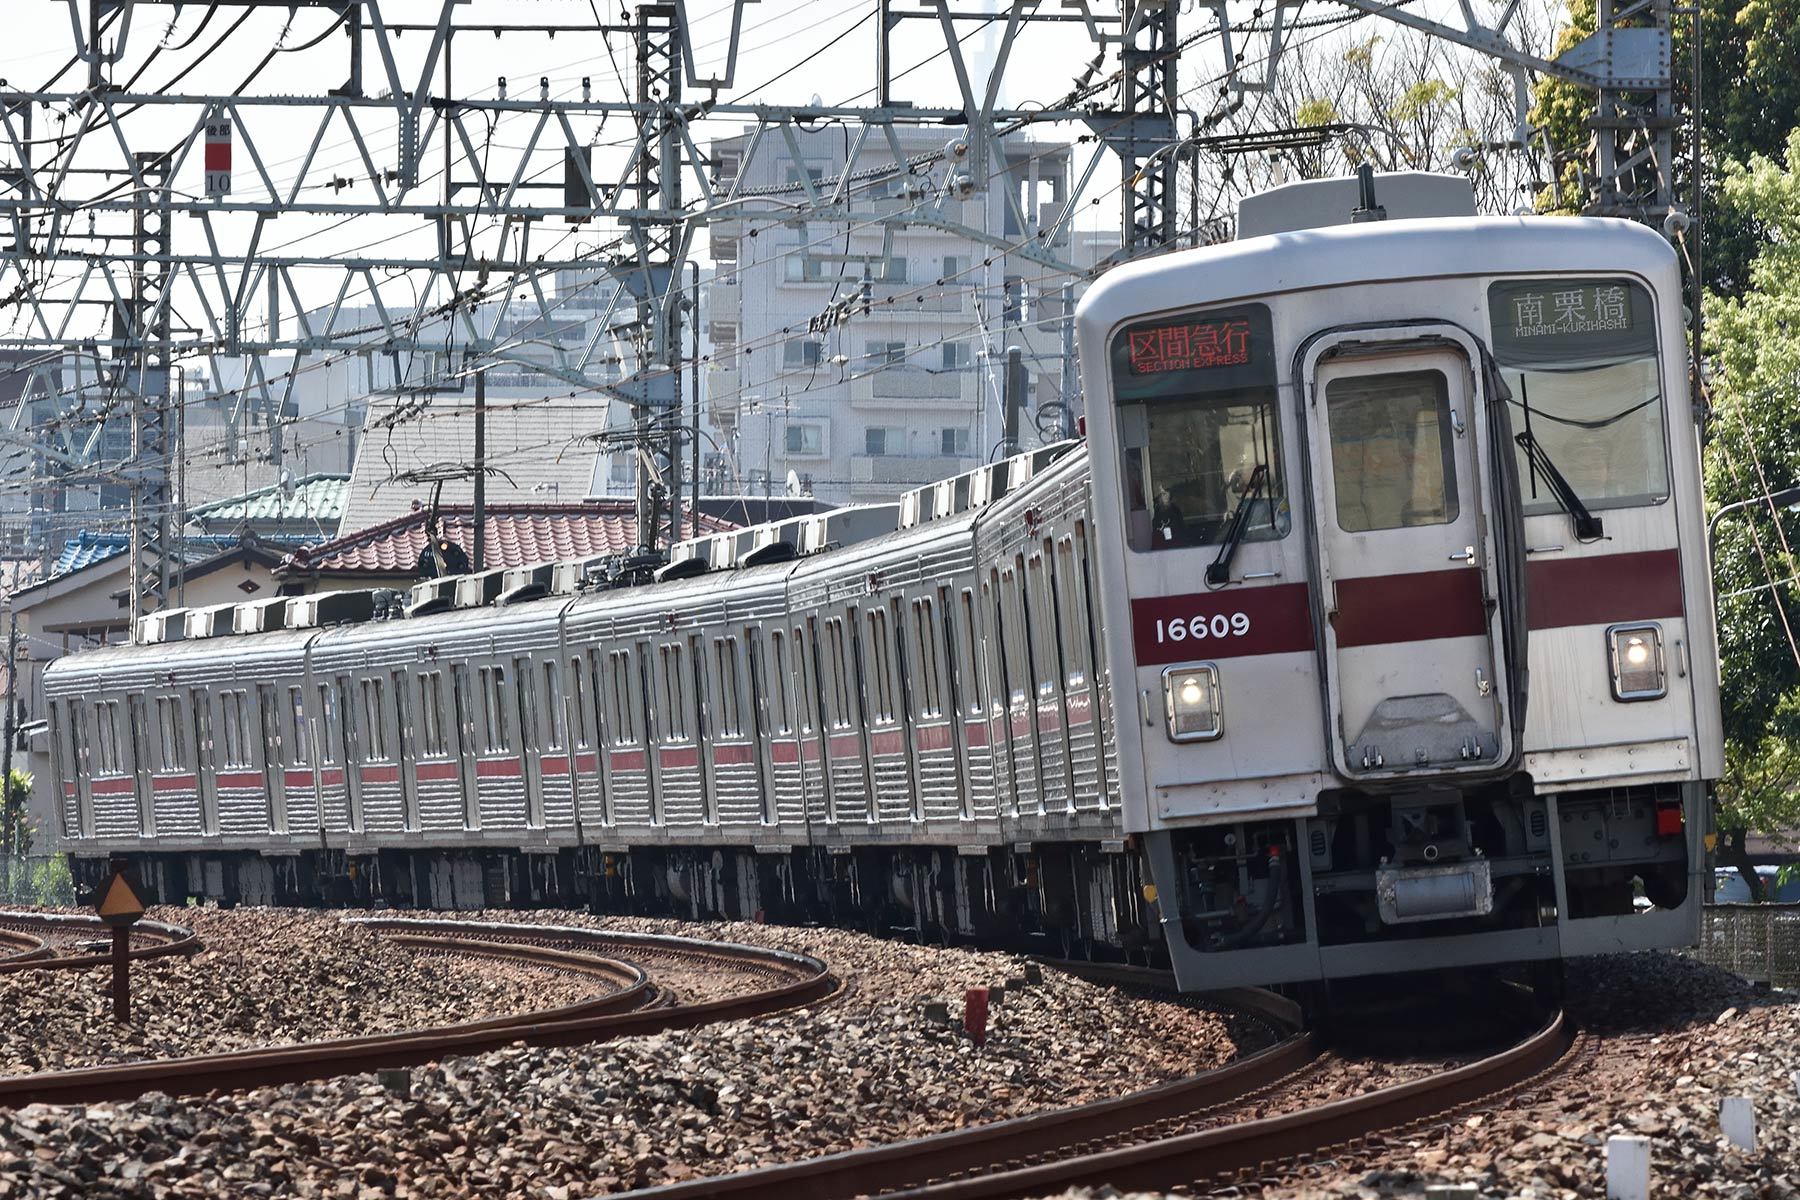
[(1042, 632), (1071, 607), (553, 708), (1013, 634), (431, 715), (297, 726), (493, 709), (1579, 357), (807, 667), (578, 701), (403, 725), (134, 720), (730, 715), (1197, 416), (1393, 462), (106, 738), (674, 694)]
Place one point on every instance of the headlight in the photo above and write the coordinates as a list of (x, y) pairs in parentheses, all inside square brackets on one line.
[(1637, 661), (1191, 701)]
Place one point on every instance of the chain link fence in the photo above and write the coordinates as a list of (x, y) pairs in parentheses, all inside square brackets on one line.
[(1761, 942), (36, 879)]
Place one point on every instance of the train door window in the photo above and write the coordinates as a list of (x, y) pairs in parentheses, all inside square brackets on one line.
[(328, 724), (837, 683), (778, 682), (172, 728), (1579, 357), (553, 708), (431, 715), (495, 728), (375, 741), (1015, 633), (464, 704), (971, 648), (578, 702), (697, 657), (340, 722), (881, 667), (1392, 456), (730, 717), (618, 697), (1041, 630), (234, 733), (134, 721), (403, 718), (106, 738), (806, 664), (674, 694), (203, 737), (642, 710), (297, 727), (930, 666)]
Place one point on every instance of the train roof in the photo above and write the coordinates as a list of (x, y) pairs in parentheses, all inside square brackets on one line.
[(1379, 251)]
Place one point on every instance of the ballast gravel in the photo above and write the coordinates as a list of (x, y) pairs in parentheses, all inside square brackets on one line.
[(582, 1121), (263, 977)]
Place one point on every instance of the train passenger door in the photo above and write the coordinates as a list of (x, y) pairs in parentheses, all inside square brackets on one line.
[(406, 750), (1405, 512), (762, 733), (269, 755), (206, 761), (140, 764), (531, 748), (464, 703)]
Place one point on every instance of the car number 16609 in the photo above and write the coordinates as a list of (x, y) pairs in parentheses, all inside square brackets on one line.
[(1199, 628)]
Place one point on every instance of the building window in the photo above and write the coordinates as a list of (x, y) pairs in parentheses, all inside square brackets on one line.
[(884, 354), (801, 352), (806, 439), (956, 356), (954, 441), (881, 440), (954, 265)]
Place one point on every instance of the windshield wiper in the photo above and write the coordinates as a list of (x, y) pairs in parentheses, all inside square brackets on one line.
[(1220, 570), (1587, 525)]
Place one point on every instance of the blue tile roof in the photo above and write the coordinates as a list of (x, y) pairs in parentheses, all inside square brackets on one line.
[(86, 549)]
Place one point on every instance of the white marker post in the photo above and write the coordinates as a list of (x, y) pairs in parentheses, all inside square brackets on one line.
[(1627, 1168), (1737, 1121)]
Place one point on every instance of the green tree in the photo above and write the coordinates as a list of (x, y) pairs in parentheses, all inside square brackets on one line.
[(1753, 347)]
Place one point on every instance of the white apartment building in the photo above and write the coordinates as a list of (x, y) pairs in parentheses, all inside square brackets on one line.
[(865, 406)]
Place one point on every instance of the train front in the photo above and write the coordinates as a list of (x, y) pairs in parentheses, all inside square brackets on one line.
[(1411, 633)]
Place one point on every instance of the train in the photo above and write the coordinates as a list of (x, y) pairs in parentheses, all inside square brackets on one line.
[(1366, 629)]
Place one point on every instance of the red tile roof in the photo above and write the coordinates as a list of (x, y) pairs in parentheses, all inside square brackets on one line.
[(516, 535)]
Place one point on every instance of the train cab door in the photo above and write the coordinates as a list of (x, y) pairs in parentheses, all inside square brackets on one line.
[(1407, 557)]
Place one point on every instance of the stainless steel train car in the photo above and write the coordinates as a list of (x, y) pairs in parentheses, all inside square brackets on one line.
[(1369, 630)]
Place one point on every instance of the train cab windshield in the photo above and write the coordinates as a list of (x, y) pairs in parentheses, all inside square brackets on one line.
[(1579, 356), (1197, 419)]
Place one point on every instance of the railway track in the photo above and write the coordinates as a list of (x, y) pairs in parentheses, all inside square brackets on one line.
[(1180, 1134), (633, 1002), (62, 941)]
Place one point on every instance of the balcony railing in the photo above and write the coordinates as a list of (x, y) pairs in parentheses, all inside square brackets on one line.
[(914, 383)]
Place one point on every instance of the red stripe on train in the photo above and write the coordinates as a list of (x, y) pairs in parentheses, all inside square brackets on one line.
[(933, 737), (733, 756), (679, 757), (435, 772), (888, 741), (627, 760), (172, 783), (302, 779), (1049, 719), (379, 775), (975, 733), (1604, 589), (1081, 710), (499, 768), (554, 764), (587, 762), (105, 787), (845, 745), (241, 779), (785, 752)]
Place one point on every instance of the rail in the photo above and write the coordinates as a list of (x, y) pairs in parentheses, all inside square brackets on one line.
[(150, 939), (996, 1160), (636, 1005)]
